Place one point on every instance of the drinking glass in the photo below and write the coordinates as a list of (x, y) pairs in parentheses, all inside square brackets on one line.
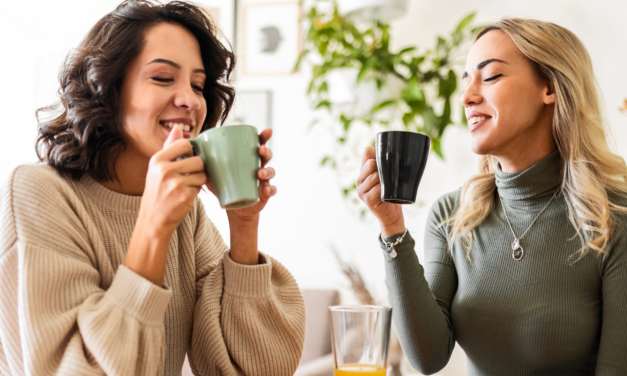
[(361, 339)]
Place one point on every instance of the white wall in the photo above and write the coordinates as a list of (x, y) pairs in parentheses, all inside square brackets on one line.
[(308, 214)]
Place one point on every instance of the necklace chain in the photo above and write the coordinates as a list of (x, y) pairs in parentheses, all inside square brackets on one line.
[(534, 221)]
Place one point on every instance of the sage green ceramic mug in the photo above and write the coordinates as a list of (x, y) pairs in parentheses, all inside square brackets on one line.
[(231, 158)]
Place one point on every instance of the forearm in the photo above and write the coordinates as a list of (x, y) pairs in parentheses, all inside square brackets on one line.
[(244, 235), (147, 252), (423, 326)]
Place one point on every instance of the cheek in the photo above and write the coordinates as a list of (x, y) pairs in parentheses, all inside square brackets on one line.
[(143, 109)]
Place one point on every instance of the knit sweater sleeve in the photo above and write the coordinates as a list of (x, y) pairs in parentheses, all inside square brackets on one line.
[(613, 347), (248, 319), (421, 297), (56, 318)]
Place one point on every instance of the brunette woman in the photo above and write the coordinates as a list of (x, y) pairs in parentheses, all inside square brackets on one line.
[(525, 266), (109, 264)]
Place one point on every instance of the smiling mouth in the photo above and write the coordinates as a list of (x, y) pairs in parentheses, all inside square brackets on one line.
[(477, 119), (171, 125)]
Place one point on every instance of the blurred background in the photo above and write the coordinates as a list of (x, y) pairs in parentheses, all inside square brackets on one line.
[(408, 65)]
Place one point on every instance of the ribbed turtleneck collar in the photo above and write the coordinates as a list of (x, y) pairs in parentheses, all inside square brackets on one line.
[(539, 180)]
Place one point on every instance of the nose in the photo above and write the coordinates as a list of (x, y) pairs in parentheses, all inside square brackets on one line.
[(186, 98), (471, 96)]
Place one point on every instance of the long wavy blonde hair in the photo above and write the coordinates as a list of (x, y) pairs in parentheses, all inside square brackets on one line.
[(591, 171)]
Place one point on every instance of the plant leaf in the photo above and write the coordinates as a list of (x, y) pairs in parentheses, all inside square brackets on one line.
[(408, 118), (300, 59), (436, 146), (412, 91), (382, 105), (323, 103), (406, 50), (461, 26)]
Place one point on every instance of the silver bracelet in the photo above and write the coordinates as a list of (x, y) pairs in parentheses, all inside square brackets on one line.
[(389, 245)]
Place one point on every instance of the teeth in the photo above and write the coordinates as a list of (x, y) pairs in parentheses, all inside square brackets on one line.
[(477, 119), (183, 127)]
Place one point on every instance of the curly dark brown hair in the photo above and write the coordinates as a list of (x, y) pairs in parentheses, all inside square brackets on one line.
[(87, 136)]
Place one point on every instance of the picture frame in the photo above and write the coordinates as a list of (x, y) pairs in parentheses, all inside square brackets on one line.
[(269, 37)]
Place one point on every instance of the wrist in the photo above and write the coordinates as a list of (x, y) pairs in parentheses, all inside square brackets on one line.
[(152, 230), (394, 227), (244, 233), (238, 219)]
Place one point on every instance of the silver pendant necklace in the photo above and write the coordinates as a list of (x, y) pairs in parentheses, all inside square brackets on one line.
[(517, 250)]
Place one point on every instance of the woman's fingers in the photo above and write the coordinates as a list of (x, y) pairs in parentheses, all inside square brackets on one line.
[(266, 190), (266, 173), (265, 153), (269, 190), (265, 136), (172, 151), (369, 153), (369, 167), (194, 180), (189, 165), (175, 134), (369, 182)]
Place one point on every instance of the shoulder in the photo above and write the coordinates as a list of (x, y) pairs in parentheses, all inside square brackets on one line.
[(35, 198), (37, 193), (445, 206), (39, 186), (616, 251), (35, 178), (619, 201)]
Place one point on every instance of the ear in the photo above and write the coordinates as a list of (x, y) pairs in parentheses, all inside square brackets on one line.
[(549, 93)]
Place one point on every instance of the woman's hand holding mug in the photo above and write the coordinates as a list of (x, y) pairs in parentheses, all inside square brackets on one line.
[(390, 216), (266, 190), (244, 223), (172, 185)]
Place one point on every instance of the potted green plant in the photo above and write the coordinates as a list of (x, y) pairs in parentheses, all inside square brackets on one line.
[(408, 89)]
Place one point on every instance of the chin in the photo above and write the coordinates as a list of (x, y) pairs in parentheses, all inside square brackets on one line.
[(480, 147)]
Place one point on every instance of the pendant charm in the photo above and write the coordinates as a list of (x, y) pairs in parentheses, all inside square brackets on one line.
[(393, 254), (517, 251)]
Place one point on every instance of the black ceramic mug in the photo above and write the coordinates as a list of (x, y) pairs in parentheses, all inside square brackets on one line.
[(401, 160)]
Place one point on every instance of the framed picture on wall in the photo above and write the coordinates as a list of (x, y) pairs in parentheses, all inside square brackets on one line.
[(253, 108), (269, 37), (222, 12)]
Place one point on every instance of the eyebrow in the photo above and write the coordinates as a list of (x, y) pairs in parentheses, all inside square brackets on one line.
[(175, 65), (483, 64)]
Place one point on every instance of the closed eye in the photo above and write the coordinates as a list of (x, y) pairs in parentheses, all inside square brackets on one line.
[(158, 79), (492, 78)]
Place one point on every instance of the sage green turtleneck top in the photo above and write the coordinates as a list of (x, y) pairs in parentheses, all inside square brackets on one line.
[(538, 316)]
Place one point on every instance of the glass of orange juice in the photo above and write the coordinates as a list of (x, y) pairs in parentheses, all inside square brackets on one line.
[(361, 339)]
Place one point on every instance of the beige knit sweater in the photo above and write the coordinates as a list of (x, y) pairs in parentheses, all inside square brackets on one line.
[(68, 306)]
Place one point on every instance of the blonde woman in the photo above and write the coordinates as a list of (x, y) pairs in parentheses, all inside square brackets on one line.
[(525, 266)]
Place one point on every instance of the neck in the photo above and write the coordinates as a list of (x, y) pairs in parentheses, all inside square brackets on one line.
[(131, 170), (521, 162), (528, 148)]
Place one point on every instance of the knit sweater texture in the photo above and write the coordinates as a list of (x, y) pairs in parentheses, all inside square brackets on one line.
[(68, 305), (542, 315)]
